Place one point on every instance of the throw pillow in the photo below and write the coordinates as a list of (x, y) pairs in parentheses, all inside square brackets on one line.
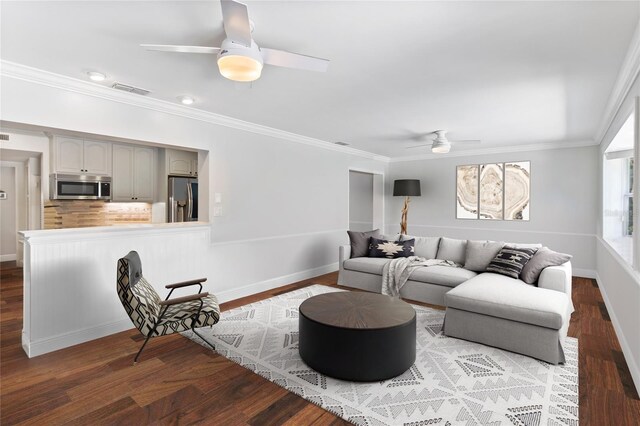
[(542, 259), (480, 253), (510, 260), (426, 247), (360, 242), (390, 249), (452, 249)]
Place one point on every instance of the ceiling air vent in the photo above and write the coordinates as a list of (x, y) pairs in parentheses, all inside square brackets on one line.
[(130, 89), (341, 143), (4, 137)]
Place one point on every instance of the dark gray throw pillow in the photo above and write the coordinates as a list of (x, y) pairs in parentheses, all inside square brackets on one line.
[(390, 249), (360, 242), (542, 259), (510, 260)]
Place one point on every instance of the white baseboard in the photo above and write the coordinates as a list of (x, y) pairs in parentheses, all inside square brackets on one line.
[(272, 283), (634, 369), (584, 273), (61, 341), (7, 257)]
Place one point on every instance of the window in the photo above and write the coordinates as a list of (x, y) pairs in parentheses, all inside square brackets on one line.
[(628, 199), (618, 191)]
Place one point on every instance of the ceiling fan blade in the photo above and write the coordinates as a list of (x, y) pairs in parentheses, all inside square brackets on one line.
[(181, 49), (467, 141), (419, 146), (280, 58), (236, 22)]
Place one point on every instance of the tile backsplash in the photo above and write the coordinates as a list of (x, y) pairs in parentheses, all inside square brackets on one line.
[(79, 213)]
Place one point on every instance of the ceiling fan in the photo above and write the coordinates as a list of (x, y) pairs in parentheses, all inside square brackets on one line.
[(440, 144), (239, 57)]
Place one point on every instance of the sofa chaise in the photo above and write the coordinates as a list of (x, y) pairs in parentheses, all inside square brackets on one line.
[(484, 307)]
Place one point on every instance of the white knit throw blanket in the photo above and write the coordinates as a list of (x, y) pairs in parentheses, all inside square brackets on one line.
[(396, 273)]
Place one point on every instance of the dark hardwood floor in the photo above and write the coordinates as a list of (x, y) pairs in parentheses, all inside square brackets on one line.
[(178, 381)]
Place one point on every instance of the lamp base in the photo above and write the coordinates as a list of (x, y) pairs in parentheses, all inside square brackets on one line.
[(403, 219)]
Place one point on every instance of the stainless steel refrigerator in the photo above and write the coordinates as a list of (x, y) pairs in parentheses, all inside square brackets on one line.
[(183, 199)]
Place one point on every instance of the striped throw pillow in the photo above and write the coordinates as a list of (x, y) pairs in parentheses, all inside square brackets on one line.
[(510, 260)]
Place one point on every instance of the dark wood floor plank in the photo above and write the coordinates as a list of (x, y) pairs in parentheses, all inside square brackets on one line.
[(178, 381), (280, 411)]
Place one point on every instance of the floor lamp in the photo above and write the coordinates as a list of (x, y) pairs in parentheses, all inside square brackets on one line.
[(406, 188)]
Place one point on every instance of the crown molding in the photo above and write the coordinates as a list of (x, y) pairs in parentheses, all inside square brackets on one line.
[(497, 150), (45, 78), (626, 77)]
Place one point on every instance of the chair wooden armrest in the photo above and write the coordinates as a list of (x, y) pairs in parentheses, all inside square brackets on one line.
[(185, 283), (184, 299)]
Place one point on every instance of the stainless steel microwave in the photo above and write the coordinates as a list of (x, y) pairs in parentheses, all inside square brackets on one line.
[(79, 187)]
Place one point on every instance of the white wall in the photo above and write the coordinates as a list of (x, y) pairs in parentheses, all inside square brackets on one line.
[(360, 201), (284, 203), (563, 202), (618, 282), (8, 207)]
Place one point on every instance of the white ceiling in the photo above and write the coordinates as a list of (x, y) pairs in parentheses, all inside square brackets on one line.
[(508, 73)]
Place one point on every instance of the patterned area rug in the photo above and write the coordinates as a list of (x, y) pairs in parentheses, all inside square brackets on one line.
[(453, 382)]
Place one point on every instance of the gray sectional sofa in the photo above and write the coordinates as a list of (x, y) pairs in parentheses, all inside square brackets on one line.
[(484, 307)]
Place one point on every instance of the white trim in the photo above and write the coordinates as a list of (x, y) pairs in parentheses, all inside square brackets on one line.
[(497, 150), (276, 237), (627, 75), (7, 257), (572, 234), (39, 347), (272, 283), (615, 155), (584, 273), (44, 236), (625, 265), (46, 78), (634, 369)]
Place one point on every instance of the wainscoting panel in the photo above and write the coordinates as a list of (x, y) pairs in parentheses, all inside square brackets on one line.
[(620, 288), (70, 277)]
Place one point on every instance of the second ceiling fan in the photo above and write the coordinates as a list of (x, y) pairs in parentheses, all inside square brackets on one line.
[(440, 144), (239, 57)]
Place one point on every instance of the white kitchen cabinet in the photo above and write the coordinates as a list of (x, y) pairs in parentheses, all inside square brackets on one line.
[(144, 173), (78, 156), (183, 163), (133, 173)]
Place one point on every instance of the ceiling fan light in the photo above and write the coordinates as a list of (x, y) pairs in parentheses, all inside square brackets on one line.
[(239, 68), (440, 148), (96, 76), (186, 100)]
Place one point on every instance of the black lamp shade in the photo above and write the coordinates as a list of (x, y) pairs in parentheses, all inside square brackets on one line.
[(407, 187)]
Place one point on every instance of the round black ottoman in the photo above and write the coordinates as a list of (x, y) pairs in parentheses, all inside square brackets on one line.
[(357, 336)]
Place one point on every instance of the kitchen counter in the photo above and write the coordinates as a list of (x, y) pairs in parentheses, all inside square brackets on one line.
[(97, 231)]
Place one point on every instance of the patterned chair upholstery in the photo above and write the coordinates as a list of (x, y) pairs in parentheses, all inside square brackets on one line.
[(155, 317)]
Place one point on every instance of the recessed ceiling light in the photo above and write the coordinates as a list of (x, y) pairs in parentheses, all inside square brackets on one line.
[(96, 76), (186, 100)]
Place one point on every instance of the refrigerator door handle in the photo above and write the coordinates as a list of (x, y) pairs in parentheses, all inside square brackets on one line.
[(172, 209), (189, 202)]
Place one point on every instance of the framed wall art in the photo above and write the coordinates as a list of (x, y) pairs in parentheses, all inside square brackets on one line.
[(493, 191)]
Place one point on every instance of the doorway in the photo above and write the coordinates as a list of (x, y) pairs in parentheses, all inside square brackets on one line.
[(366, 191), (8, 213), (21, 208)]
